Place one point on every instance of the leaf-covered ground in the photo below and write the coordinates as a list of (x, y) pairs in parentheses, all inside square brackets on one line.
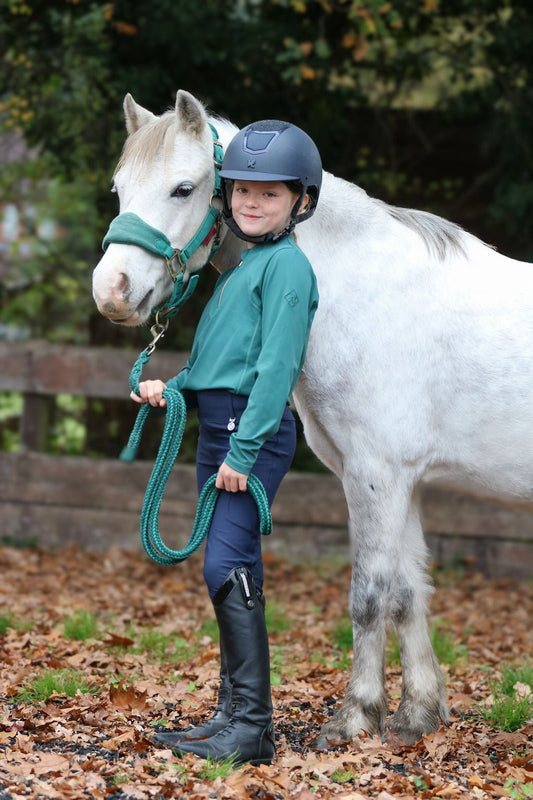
[(152, 657)]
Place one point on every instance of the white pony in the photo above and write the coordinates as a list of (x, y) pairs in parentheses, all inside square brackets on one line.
[(419, 367)]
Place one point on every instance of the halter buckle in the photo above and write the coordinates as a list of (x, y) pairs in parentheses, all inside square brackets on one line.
[(169, 261)]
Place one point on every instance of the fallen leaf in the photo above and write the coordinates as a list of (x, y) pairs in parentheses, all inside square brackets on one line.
[(127, 697)]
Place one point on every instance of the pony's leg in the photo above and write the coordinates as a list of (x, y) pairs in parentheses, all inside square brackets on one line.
[(423, 703), (377, 514), (388, 581)]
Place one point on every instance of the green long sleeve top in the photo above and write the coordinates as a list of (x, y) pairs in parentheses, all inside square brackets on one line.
[(252, 339)]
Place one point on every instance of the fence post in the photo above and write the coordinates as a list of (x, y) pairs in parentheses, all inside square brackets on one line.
[(35, 422)]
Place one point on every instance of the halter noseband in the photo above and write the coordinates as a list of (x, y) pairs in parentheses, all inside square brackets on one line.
[(128, 228)]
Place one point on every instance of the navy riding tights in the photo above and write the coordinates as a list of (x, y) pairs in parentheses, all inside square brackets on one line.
[(234, 538)]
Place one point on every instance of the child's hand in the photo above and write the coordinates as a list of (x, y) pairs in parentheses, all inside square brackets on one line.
[(231, 480), (151, 392)]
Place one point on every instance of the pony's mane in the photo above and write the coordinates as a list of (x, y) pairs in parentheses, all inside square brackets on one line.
[(143, 145), (440, 236)]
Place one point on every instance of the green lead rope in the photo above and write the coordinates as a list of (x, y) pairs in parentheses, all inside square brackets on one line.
[(166, 456)]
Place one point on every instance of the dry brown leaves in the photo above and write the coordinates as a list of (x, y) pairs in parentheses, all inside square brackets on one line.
[(98, 745)]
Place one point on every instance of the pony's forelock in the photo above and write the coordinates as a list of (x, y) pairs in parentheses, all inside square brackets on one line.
[(142, 147)]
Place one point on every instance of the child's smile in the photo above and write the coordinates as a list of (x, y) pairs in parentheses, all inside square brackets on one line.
[(260, 207)]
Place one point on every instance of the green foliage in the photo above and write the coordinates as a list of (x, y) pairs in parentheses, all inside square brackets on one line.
[(277, 660), (21, 543), (447, 651), (509, 713), (342, 638), (46, 290), (209, 628), (8, 620), (419, 783), (276, 617), (512, 705), (120, 779), (383, 71), (211, 769), (65, 426), (513, 674), (342, 635), (158, 646), (69, 432), (58, 69), (181, 771), (57, 93), (517, 790), (10, 411), (393, 652), (61, 682), (343, 776), (81, 625)]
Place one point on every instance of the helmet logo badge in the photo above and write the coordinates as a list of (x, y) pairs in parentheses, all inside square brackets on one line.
[(251, 163), (259, 141)]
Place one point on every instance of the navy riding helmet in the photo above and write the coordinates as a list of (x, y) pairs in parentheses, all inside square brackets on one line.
[(271, 150)]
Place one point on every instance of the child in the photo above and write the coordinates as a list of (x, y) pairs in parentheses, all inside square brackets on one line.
[(247, 354)]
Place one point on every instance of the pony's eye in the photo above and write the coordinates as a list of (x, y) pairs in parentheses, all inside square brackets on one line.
[(183, 190)]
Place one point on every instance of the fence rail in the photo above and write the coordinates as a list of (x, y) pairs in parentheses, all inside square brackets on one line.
[(57, 500)]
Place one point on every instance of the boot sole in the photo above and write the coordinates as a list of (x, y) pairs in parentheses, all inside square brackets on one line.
[(237, 762), (178, 738)]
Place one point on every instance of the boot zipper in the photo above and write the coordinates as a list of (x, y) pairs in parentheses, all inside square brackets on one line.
[(245, 587)]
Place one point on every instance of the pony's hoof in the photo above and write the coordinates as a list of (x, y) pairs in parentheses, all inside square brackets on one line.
[(325, 741), (333, 733), (409, 731)]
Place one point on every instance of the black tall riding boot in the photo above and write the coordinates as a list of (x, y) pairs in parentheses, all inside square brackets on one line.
[(219, 720), (249, 735)]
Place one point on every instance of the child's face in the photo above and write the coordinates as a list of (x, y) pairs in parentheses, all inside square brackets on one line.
[(262, 207)]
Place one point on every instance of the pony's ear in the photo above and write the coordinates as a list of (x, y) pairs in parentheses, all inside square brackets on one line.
[(136, 116), (190, 113)]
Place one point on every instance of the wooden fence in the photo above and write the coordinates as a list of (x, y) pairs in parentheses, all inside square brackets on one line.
[(57, 500)]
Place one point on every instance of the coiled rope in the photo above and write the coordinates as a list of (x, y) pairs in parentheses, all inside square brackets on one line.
[(176, 416)]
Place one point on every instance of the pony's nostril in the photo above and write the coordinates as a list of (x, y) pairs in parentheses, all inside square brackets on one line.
[(122, 287)]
